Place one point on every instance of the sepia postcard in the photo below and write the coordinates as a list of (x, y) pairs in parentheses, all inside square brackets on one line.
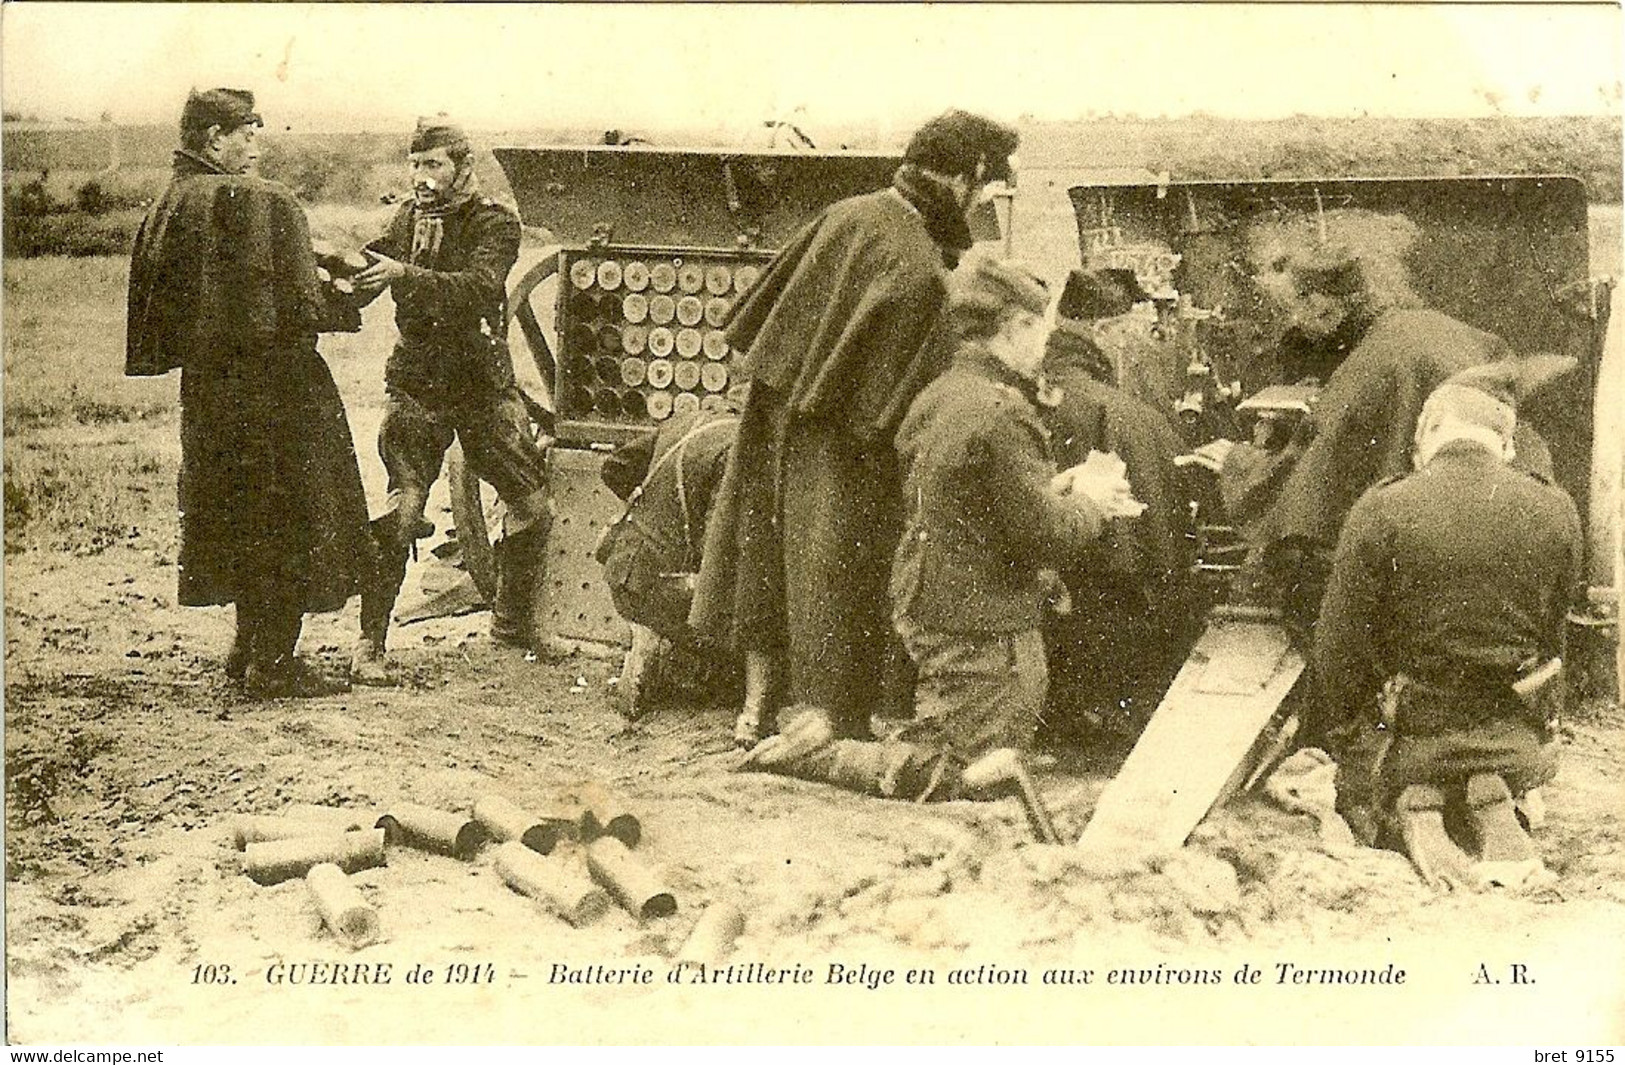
[(339, 712)]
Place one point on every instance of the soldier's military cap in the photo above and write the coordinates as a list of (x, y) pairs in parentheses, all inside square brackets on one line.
[(1092, 294), (226, 108), (955, 141), (438, 131)]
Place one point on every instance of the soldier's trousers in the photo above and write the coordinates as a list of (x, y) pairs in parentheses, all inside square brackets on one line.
[(975, 691), (494, 430)]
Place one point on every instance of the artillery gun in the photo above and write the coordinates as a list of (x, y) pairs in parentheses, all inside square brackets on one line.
[(1506, 254)]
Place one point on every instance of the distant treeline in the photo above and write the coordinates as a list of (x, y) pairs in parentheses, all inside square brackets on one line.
[(1190, 147), (78, 189)]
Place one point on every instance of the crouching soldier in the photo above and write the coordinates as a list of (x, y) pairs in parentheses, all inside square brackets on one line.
[(1440, 638), (445, 257), (651, 556), (988, 521)]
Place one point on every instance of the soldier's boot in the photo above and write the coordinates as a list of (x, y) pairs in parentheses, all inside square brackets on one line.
[(757, 719), (521, 561), (1442, 865), (275, 672), (242, 644), (1507, 856), (632, 687), (379, 591), (807, 748)]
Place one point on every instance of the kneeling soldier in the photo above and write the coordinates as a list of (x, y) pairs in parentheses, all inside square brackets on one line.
[(989, 520), (1441, 634)]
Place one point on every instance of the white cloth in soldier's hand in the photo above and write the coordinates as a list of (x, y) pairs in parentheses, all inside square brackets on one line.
[(1101, 478)]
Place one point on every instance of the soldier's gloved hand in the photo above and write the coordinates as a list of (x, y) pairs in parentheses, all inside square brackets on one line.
[(380, 272)]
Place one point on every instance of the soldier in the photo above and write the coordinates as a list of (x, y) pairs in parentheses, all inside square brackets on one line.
[(224, 286), (1442, 629), (1114, 652), (651, 555), (835, 344), (988, 519), (445, 257), (1356, 325)]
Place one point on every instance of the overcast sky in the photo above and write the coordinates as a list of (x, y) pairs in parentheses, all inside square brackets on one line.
[(638, 66)]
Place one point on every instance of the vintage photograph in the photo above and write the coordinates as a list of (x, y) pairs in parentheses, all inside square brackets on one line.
[(917, 524)]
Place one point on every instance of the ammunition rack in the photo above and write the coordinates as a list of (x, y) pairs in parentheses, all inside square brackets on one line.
[(641, 335)]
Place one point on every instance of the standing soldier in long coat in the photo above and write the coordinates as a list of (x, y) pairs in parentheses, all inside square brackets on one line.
[(834, 343), (224, 286), (445, 257)]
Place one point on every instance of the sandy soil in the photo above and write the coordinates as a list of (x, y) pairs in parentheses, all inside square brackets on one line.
[(126, 757)]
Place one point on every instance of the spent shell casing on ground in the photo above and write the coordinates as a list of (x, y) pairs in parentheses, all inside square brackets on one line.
[(274, 861), (505, 821), (713, 936), (343, 909), (558, 886), (606, 813), (259, 828), (424, 828), (634, 885)]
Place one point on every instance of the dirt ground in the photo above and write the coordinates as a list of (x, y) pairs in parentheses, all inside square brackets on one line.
[(127, 756)]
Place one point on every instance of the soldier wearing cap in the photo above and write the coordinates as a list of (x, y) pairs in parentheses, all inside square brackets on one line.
[(834, 342), (224, 287), (445, 256), (1442, 626), (987, 522), (1129, 626)]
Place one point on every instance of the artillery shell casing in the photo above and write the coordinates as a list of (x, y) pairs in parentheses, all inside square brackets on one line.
[(635, 276), (714, 935), (686, 374), (685, 403), (689, 343), (605, 813), (713, 404), (716, 311), (609, 274), (274, 861), (658, 405), (557, 886), (714, 376), (715, 345), (583, 274), (745, 277), (661, 342), (505, 821), (609, 339), (342, 908), (690, 310), (635, 339), (662, 278), (691, 277), (428, 829), (718, 280), (633, 372), (633, 884), (662, 309), (659, 372), (261, 828), (635, 307)]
